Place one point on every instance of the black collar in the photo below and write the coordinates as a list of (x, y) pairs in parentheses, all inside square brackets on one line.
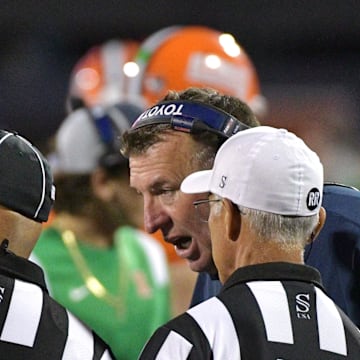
[(275, 271), (20, 268)]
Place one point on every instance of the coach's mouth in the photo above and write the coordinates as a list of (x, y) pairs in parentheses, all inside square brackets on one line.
[(186, 248), (182, 243)]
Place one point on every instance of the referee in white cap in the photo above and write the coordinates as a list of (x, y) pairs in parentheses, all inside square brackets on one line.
[(262, 200), (32, 325)]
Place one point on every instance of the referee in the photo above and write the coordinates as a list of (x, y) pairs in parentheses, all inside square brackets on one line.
[(265, 206), (32, 325)]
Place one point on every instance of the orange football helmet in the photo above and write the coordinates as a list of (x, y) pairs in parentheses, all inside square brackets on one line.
[(177, 57), (101, 76)]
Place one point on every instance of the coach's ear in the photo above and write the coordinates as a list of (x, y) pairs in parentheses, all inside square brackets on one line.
[(232, 219), (320, 224)]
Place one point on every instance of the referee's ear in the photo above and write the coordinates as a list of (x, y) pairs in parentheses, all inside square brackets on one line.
[(232, 220), (320, 224)]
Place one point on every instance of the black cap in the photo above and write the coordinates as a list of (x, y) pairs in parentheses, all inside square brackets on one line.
[(26, 182)]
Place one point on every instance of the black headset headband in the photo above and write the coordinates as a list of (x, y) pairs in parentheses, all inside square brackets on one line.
[(191, 117)]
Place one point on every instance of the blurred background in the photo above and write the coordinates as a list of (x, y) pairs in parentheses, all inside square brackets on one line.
[(307, 54)]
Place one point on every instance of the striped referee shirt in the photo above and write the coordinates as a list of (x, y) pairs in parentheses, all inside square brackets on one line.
[(273, 311), (33, 326)]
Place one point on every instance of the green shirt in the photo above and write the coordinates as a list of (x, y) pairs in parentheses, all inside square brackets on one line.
[(134, 272)]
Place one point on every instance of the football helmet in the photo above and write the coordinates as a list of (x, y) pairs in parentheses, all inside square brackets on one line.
[(101, 76), (178, 57)]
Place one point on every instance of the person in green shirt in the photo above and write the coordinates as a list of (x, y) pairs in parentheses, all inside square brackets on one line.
[(97, 261)]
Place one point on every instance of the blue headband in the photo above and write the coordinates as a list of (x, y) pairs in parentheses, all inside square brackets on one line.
[(191, 117)]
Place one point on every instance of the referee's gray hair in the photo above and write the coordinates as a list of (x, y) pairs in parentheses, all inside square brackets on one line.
[(285, 230)]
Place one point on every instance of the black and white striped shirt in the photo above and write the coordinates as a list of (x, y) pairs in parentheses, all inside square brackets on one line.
[(274, 311), (33, 326)]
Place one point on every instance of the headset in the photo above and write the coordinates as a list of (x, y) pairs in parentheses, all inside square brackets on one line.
[(110, 123), (191, 117)]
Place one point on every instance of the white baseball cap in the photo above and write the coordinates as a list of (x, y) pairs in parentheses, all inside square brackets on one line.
[(266, 169), (87, 135)]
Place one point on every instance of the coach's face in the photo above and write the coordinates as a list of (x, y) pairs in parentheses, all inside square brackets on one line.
[(157, 175)]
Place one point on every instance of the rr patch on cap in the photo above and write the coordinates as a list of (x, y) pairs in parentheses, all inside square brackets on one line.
[(313, 199)]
